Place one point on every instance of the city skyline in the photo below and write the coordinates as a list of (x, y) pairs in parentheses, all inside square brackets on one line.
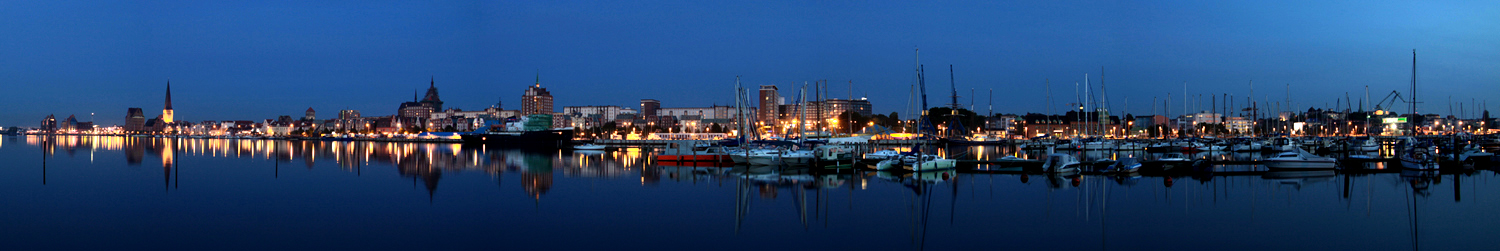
[(278, 59)]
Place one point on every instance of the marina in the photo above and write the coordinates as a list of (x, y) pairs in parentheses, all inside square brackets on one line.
[(466, 192), (749, 125)]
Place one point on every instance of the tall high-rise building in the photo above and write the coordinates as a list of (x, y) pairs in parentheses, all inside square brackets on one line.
[(536, 100), (770, 100), (166, 112), (649, 107)]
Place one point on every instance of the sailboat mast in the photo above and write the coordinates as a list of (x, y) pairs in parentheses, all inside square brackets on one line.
[(802, 114), (1413, 88)]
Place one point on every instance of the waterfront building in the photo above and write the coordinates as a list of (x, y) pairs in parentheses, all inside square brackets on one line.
[(560, 120), (649, 107), (1144, 121), (386, 124), (69, 125), (592, 116), (770, 105), (84, 126), (626, 120), (348, 114), (156, 125), (135, 120), (462, 120), (415, 114), (310, 115), (699, 119), (278, 128), (1203, 118), (350, 121), (1001, 122), (834, 107), (536, 100), (1238, 125), (49, 124)]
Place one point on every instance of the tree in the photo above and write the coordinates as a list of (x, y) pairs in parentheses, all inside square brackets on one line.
[(852, 121), (942, 115), (609, 127), (715, 128)]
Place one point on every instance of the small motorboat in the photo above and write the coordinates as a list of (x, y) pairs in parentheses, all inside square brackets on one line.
[(588, 147), (881, 155), (1299, 159), (1058, 162), (1124, 166), (888, 164)]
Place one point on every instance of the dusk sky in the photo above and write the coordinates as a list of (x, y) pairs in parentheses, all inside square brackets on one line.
[(253, 60)]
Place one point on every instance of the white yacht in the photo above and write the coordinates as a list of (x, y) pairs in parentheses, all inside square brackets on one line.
[(741, 156), (1474, 154), (1099, 145), (1250, 145), (1131, 146), (878, 156), (931, 163), (1299, 160), (792, 158)]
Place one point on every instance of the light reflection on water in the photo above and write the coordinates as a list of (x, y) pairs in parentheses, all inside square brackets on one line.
[(367, 194)]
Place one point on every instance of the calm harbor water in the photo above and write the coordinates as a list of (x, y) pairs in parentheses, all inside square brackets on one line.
[(139, 193)]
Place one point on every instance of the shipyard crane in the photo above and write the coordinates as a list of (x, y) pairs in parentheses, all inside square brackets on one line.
[(1395, 94), (955, 127), (924, 124)]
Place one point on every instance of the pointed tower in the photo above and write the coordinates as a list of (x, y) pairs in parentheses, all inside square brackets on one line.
[(431, 99), (166, 112)]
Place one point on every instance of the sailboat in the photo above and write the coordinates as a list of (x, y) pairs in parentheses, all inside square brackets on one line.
[(1417, 155)]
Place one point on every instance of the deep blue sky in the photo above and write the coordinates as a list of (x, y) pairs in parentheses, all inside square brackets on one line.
[(260, 59)]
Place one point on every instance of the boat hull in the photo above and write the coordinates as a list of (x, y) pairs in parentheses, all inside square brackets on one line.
[(932, 165), (1300, 165), (549, 139), (695, 158), (777, 160)]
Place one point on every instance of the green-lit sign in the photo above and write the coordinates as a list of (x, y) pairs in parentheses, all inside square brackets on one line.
[(1393, 120)]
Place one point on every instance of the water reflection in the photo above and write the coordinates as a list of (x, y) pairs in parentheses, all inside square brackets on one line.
[(932, 210)]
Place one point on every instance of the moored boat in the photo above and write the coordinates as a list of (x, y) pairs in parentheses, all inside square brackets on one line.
[(1300, 160)]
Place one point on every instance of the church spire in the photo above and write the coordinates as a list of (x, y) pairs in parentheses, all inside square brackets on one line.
[(166, 110), (432, 84), (169, 95), (538, 78)]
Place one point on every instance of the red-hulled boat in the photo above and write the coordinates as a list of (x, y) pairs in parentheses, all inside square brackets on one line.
[(680, 152)]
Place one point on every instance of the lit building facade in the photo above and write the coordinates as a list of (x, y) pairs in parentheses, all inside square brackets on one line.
[(770, 103), (649, 107), (536, 100)]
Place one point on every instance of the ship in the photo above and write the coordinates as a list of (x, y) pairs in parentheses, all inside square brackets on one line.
[(547, 139), (532, 131)]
